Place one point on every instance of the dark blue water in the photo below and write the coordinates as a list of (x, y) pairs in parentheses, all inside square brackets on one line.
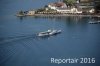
[(19, 45)]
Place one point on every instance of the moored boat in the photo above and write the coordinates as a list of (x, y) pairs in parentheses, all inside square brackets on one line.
[(19, 15), (94, 22)]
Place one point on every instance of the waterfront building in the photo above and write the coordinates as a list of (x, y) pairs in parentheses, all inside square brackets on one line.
[(52, 6), (62, 8), (87, 6), (31, 12), (97, 6), (68, 10), (56, 5)]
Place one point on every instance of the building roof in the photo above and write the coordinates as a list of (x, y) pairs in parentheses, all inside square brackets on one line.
[(86, 1), (57, 4)]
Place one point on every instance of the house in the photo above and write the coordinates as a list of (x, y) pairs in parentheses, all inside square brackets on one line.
[(86, 5), (56, 5), (68, 10), (52, 6), (31, 12), (92, 11), (63, 8), (97, 6), (75, 10)]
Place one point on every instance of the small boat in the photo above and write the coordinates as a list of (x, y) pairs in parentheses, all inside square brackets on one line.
[(19, 15), (98, 21), (49, 33), (94, 22)]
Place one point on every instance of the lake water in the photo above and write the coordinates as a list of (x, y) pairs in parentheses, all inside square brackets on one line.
[(19, 45)]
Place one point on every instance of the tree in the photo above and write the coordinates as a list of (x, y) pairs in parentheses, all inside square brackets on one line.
[(40, 10), (21, 12), (69, 2)]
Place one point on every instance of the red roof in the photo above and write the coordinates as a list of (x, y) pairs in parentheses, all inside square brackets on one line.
[(58, 4)]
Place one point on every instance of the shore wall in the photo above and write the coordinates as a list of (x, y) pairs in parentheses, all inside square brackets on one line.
[(58, 15)]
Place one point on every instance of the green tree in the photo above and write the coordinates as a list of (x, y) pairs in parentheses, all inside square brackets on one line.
[(21, 12), (40, 10), (69, 2)]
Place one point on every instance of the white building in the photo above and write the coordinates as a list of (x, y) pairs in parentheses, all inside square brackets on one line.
[(92, 11), (56, 5), (62, 8), (68, 10), (75, 10), (51, 6), (32, 12)]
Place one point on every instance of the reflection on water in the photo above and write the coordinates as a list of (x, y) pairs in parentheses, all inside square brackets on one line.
[(57, 18), (16, 38)]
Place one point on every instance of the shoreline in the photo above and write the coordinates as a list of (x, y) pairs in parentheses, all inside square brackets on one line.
[(65, 15), (60, 15)]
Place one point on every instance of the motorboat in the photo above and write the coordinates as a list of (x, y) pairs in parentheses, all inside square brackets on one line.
[(94, 22), (20, 14), (49, 33)]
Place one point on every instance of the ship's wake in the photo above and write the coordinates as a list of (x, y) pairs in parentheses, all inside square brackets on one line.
[(16, 38)]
